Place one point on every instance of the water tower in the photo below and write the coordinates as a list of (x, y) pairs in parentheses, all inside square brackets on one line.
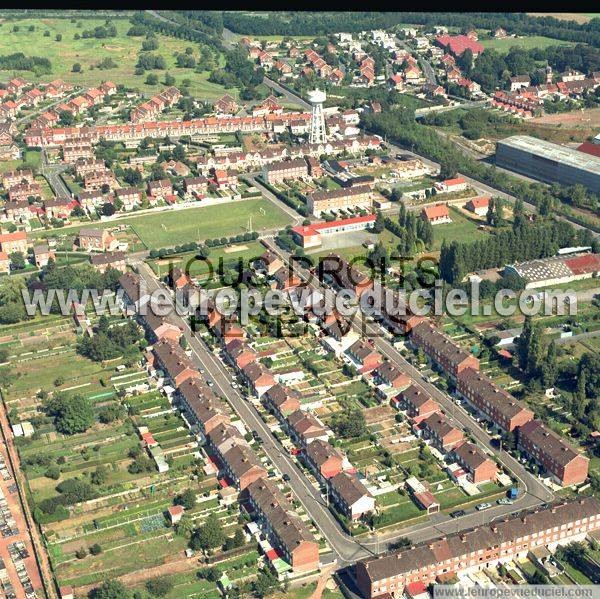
[(317, 120)]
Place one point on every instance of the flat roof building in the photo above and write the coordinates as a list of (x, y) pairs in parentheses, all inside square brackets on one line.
[(548, 162)]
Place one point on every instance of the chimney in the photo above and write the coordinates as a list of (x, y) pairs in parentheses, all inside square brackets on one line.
[(553, 510), (524, 519), (494, 528), (463, 538)]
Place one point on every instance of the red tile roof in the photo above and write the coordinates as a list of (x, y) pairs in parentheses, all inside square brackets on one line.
[(587, 263), (589, 148), (457, 44)]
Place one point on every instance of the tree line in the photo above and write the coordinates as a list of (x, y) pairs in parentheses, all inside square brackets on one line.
[(400, 126), (311, 23)]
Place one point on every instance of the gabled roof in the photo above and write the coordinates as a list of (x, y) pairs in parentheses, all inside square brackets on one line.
[(349, 487)]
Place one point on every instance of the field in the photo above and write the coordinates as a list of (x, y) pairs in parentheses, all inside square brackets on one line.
[(578, 17), (230, 255), (122, 49), (460, 229), (526, 43), (169, 228), (126, 516), (588, 118)]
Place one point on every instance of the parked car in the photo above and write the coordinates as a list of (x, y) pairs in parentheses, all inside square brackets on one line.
[(286, 477), (505, 501), (457, 514), (483, 506)]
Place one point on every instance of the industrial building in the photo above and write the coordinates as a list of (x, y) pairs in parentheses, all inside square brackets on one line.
[(548, 162), (556, 270)]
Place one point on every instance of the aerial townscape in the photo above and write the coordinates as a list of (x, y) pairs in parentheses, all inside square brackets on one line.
[(163, 434)]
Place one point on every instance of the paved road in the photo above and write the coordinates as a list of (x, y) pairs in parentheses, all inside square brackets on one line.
[(482, 188), (347, 548), (32, 115), (425, 65), (290, 96), (533, 492)]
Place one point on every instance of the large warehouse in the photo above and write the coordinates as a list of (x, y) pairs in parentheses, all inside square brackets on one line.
[(548, 162)]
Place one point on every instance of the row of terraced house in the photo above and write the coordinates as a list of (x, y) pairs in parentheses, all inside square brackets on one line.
[(211, 419)]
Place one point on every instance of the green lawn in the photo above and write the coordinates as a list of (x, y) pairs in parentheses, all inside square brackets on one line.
[(169, 228), (460, 229), (527, 43), (122, 49), (243, 251)]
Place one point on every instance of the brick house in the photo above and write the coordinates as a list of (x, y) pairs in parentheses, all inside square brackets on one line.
[(42, 255), (437, 214), (477, 548), (13, 242), (418, 404), (98, 240), (173, 361), (558, 458), (304, 428), (477, 463), (161, 188), (350, 495), (443, 435), (282, 400), (284, 528), (202, 405), (390, 375), (258, 377), (490, 400), (324, 459), (364, 354), (102, 262), (441, 350), (242, 466)]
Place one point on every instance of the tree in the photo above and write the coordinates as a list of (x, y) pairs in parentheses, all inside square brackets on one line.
[(17, 260), (379, 223), (538, 578), (71, 414), (489, 216), (95, 549), (549, 366), (187, 499), (350, 423), (185, 527), (110, 589), (152, 79), (66, 118), (58, 37), (209, 535), (76, 68), (108, 209), (159, 587), (100, 475), (169, 79), (265, 583)]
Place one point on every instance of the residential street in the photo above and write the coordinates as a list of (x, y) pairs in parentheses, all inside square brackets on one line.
[(533, 491)]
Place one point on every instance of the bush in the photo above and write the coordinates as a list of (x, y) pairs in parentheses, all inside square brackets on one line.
[(95, 549), (159, 587)]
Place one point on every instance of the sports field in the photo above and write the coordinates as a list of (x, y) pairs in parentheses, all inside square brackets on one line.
[(170, 228), (526, 43), (123, 50)]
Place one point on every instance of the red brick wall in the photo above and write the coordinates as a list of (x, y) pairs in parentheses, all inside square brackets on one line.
[(487, 471), (305, 557), (576, 471)]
